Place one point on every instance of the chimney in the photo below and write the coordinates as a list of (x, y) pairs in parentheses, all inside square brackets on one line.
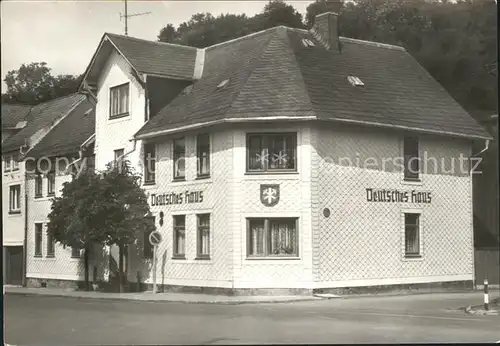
[(326, 26)]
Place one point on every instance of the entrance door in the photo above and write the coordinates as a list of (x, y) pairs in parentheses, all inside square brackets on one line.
[(14, 265)]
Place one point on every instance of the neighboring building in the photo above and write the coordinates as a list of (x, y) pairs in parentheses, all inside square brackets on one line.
[(243, 148), (66, 148), (36, 124), (13, 119)]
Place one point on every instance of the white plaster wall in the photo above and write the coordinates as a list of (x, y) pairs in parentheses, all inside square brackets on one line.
[(13, 224), (362, 243), (61, 266), (116, 133)]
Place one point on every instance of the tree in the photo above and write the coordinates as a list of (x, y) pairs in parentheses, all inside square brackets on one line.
[(203, 29), (454, 41), (33, 83), (107, 209)]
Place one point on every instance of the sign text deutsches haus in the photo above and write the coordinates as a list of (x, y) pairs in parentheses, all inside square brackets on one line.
[(395, 196)]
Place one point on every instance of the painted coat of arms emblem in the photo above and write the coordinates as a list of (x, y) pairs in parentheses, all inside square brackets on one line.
[(270, 194)]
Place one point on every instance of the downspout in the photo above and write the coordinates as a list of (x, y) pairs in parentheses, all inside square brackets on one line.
[(486, 146), (25, 241)]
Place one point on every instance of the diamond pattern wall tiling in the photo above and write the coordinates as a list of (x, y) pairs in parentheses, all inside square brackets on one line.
[(190, 271), (365, 240)]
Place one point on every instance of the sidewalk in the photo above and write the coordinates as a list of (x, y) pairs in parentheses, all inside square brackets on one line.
[(158, 297)]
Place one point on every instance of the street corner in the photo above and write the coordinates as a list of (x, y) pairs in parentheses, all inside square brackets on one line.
[(480, 311)]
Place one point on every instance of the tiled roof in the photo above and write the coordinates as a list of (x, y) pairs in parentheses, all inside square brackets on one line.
[(69, 134), (42, 116), (13, 114), (272, 74), (149, 57)]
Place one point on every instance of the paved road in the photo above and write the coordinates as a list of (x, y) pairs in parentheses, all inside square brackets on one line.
[(416, 319)]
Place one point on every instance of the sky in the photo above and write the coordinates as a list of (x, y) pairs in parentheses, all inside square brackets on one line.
[(65, 34)]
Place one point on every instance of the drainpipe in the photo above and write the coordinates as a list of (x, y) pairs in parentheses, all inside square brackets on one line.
[(486, 146), (25, 241)]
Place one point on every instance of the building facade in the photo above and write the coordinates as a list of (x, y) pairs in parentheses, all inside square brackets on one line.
[(283, 160)]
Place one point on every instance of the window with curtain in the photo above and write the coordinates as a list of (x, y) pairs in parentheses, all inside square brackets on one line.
[(50, 245), (15, 199), (119, 101), (179, 250), (203, 236), (38, 239), (412, 235), (51, 184), (203, 155), (38, 186), (271, 152), (277, 237), (179, 158)]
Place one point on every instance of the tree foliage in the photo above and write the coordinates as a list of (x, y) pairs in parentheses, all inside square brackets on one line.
[(33, 83), (454, 41), (107, 208), (203, 29)]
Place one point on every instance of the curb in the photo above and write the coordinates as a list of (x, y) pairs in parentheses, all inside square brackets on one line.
[(221, 302)]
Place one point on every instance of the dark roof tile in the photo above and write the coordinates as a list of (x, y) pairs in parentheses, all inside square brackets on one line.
[(273, 74), (69, 134), (42, 116)]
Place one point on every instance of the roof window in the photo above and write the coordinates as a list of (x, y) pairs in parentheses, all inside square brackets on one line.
[(307, 43), (223, 84), (355, 81)]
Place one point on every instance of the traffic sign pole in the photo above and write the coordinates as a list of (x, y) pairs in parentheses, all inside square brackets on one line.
[(154, 268)]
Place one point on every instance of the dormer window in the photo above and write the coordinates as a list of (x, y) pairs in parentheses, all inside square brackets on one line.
[(119, 101), (355, 81)]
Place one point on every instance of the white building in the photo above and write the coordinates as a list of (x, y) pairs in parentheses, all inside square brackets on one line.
[(280, 163), (32, 127)]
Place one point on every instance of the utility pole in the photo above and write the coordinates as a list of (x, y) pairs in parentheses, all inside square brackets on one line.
[(126, 16)]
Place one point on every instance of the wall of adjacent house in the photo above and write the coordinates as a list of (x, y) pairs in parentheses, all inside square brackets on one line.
[(361, 243), (62, 266), (113, 134), (12, 223)]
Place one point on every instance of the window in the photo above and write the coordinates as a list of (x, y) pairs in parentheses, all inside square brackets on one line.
[(411, 158), (7, 163), (179, 159), (149, 163), (75, 252), (15, 199), (51, 184), (412, 235), (179, 236), (271, 152), (203, 236), (50, 245), (38, 239), (118, 156), (147, 247), (38, 185), (272, 237), (15, 164), (118, 102), (203, 155)]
